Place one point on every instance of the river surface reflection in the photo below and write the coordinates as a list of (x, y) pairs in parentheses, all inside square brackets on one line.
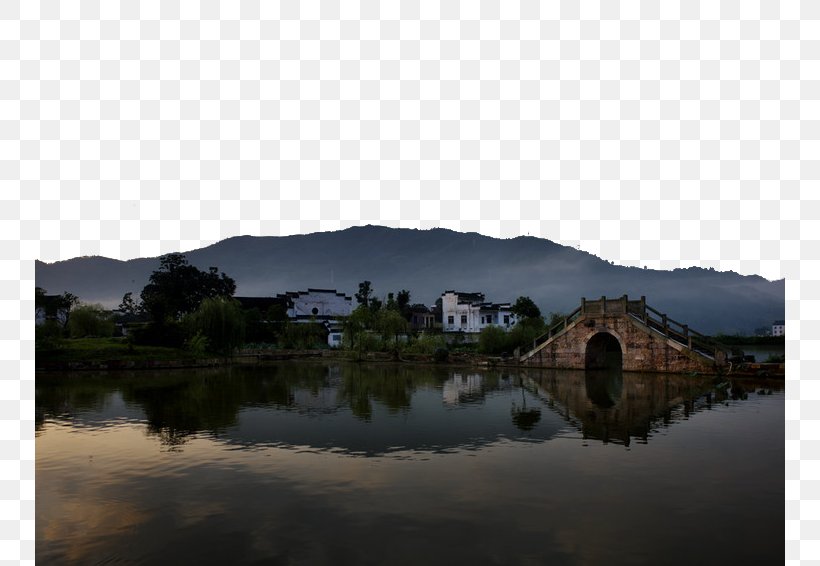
[(309, 463)]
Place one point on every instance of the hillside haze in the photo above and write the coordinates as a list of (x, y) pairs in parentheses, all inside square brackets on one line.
[(428, 262)]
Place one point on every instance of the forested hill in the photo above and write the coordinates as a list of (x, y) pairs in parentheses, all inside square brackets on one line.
[(428, 262)]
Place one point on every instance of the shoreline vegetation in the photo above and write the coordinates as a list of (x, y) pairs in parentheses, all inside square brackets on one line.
[(112, 354)]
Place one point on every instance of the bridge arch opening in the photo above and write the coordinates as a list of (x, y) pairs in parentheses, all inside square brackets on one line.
[(604, 352)]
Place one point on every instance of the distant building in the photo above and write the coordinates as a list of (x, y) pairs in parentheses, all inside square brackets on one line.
[(470, 313), (317, 304), (779, 328), (325, 306), (422, 317)]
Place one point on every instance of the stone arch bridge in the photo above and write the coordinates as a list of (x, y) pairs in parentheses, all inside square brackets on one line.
[(625, 334)]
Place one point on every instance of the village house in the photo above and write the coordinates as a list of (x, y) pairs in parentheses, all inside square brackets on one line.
[(317, 304), (471, 313), (422, 318), (325, 306)]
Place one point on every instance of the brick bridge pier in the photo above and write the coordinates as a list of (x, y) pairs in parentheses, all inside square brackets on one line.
[(625, 334)]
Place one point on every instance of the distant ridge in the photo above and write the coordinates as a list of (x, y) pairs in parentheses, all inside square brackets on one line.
[(426, 262)]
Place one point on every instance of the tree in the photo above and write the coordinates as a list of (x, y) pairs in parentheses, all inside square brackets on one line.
[(64, 304), (220, 321), (403, 302), (492, 340), (364, 294), (39, 298), (178, 288), (524, 307), (391, 324), (355, 329), (128, 304), (90, 320)]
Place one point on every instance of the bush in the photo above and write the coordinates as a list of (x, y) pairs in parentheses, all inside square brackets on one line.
[(304, 336), (220, 321), (441, 355), (167, 333), (492, 340), (90, 321), (427, 344), (48, 336)]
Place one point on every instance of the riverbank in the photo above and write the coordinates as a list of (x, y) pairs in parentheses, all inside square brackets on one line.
[(257, 358), (114, 354)]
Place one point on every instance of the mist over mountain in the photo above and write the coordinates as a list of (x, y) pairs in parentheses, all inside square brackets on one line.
[(428, 262)]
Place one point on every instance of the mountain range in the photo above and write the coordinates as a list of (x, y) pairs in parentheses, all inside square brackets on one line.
[(428, 262)]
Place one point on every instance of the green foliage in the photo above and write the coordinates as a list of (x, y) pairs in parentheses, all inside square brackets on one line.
[(355, 329), (197, 344), (554, 318), (441, 355), (221, 322), (403, 303), (168, 333), (364, 294), (304, 336), (90, 321), (178, 288), (524, 307), (264, 327), (128, 305), (97, 349), (426, 344), (48, 336), (39, 298), (390, 324), (492, 340), (523, 333)]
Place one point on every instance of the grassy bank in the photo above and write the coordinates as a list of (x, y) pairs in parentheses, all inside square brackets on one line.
[(103, 349)]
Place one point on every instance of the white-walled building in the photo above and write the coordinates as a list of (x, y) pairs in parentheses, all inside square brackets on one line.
[(326, 306), (317, 304), (779, 328), (470, 313)]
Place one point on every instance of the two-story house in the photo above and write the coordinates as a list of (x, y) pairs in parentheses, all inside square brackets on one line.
[(470, 313)]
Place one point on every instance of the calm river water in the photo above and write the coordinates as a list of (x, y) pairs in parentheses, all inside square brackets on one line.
[(343, 464)]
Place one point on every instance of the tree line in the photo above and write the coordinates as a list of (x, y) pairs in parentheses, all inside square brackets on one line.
[(185, 307)]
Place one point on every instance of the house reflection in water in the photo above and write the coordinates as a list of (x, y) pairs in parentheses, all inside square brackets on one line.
[(463, 388)]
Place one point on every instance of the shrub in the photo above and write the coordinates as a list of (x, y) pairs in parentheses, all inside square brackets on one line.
[(492, 340), (426, 344), (220, 321), (48, 336), (90, 321)]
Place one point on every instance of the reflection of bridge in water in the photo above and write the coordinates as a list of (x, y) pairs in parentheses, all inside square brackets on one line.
[(624, 334), (615, 406)]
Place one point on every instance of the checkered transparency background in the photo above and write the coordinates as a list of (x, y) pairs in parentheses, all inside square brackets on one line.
[(662, 134)]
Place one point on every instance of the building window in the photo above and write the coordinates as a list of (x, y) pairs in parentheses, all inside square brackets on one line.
[(451, 320), (463, 319), (337, 337), (315, 311), (506, 319)]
